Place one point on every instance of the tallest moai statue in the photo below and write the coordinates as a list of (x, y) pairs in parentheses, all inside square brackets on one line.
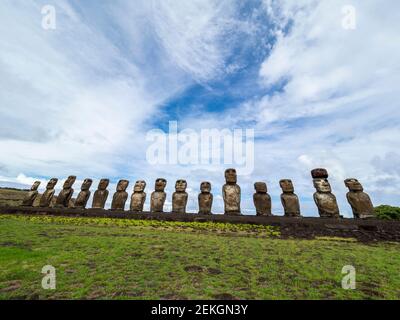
[(231, 193)]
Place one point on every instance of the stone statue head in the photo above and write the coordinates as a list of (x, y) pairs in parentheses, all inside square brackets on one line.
[(205, 187), (180, 185), (160, 184), (322, 185), (69, 182), (319, 173), (261, 187), (103, 184), (353, 185), (87, 183), (122, 185), (230, 176), (52, 183), (286, 185), (140, 185), (35, 186)]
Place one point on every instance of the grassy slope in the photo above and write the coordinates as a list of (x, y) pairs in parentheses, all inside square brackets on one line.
[(10, 197), (104, 258)]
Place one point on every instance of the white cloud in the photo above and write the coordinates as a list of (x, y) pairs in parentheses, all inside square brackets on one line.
[(76, 99)]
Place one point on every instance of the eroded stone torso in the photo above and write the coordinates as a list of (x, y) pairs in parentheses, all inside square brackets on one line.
[(262, 202), (231, 198), (361, 205), (99, 199), (290, 203), (157, 201), (327, 205), (179, 201), (205, 203), (119, 200), (137, 201), (82, 199)]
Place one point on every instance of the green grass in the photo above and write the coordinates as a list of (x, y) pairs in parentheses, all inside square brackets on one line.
[(386, 212), (131, 259)]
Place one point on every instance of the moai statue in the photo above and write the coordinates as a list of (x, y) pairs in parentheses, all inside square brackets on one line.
[(180, 197), (290, 201), (47, 196), (324, 198), (120, 196), (231, 193), (101, 194), (158, 196), (359, 201), (32, 195), (205, 198), (262, 200), (84, 195), (138, 196), (65, 194)]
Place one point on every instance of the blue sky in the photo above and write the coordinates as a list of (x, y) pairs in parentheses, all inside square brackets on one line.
[(81, 99)]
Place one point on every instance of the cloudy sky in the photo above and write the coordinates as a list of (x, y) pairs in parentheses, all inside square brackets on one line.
[(82, 98)]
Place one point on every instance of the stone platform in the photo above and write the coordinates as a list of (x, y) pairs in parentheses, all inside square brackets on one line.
[(304, 228)]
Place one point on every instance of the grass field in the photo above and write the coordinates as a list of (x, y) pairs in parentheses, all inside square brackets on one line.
[(11, 197), (131, 259)]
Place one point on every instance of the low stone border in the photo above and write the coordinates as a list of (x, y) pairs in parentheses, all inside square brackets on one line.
[(305, 228)]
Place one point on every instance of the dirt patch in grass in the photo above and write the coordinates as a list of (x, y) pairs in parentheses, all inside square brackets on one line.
[(193, 269), (371, 290), (213, 271), (11, 286)]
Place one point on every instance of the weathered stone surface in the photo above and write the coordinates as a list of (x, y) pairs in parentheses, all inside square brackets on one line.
[(262, 200), (359, 201), (66, 193), (158, 197), (84, 195), (101, 194), (205, 198), (179, 197), (120, 196), (32, 195), (231, 193), (325, 199), (290, 201), (47, 196), (138, 197)]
